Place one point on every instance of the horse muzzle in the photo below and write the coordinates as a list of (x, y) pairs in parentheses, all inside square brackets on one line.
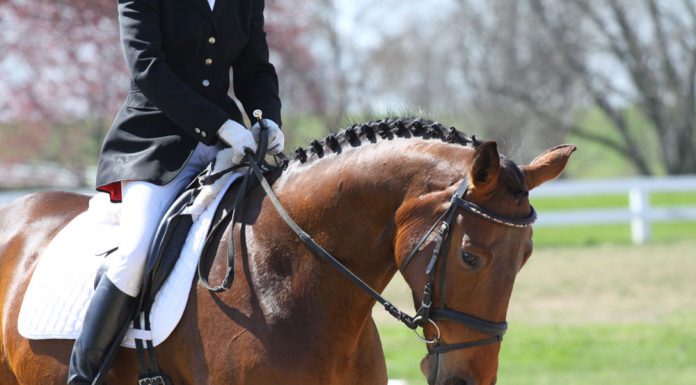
[(459, 381), (431, 367)]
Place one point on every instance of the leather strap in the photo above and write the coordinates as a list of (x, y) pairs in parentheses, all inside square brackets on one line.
[(320, 251), (252, 159), (475, 323), (464, 345)]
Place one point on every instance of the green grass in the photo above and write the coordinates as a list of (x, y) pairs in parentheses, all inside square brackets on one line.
[(595, 315), (620, 234), (640, 353), (673, 199), (543, 204), (580, 202), (403, 352)]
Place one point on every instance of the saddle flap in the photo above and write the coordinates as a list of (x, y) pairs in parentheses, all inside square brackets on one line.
[(167, 245), (61, 286)]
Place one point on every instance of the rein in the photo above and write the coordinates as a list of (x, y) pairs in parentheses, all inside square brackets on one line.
[(425, 313)]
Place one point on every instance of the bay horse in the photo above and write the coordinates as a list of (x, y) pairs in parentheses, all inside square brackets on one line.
[(366, 194)]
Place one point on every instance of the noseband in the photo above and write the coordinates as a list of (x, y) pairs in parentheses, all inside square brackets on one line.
[(439, 261)]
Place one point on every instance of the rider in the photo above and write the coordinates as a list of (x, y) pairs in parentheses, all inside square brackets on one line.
[(176, 118)]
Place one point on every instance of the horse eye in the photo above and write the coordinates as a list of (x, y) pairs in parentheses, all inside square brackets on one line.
[(470, 260)]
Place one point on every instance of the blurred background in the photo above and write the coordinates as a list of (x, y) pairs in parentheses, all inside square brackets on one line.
[(610, 295)]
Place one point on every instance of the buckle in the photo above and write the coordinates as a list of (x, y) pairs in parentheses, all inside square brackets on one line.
[(155, 380), (444, 228)]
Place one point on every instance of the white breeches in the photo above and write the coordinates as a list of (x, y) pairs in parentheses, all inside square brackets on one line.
[(143, 206)]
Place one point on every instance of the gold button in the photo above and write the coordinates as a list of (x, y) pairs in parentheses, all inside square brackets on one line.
[(203, 134), (211, 40), (208, 61), (205, 83), (197, 130)]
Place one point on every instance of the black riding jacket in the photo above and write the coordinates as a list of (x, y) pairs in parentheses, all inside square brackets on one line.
[(179, 54)]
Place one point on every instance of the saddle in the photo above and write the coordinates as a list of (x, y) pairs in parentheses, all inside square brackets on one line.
[(167, 244), (166, 247)]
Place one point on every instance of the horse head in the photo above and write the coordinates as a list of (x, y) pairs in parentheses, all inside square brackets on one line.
[(463, 293)]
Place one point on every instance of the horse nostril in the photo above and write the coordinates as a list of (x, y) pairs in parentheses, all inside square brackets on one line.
[(457, 381)]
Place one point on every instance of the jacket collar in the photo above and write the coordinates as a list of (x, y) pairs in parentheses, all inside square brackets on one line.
[(204, 8)]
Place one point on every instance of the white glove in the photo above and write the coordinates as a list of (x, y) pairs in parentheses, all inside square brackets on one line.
[(238, 138), (276, 139)]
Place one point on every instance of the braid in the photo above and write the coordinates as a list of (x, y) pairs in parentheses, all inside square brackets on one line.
[(385, 129)]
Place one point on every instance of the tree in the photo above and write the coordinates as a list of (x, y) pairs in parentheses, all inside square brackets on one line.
[(63, 77), (613, 55), (314, 59)]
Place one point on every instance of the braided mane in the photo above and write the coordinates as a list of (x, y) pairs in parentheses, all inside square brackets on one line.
[(387, 128)]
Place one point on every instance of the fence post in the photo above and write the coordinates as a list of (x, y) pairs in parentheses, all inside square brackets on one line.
[(640, 223)]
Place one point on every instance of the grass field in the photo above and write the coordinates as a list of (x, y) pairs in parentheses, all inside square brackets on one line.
[(610, 314), (618, 234)]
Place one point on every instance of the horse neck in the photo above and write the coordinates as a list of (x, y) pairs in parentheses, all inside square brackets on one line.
[(348, 202)]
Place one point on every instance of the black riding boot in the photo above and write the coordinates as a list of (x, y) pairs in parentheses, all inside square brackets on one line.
[(107, 313)]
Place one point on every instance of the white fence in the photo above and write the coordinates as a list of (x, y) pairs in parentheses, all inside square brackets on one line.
[(639, 212)]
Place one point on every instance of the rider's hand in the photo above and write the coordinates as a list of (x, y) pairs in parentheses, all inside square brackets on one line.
[(238, 138), (276, 139)]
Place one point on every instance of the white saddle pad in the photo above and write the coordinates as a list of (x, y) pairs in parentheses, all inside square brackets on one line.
[(56, 300)]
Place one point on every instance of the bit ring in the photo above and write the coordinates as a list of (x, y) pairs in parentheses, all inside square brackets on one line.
[(427, 341)]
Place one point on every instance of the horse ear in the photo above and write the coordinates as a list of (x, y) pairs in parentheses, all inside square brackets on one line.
[(483, 174), (548, 165)]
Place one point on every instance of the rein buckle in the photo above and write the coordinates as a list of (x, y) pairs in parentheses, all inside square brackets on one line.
[(155, 380), (444, 228)]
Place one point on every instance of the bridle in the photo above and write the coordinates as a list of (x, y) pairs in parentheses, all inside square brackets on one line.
[(438, 261), (426, 312)]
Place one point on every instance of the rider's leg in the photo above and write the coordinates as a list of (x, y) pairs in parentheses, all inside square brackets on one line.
[(142, 207)]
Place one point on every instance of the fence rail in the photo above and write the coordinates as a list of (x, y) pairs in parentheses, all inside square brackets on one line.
[(639, 213)]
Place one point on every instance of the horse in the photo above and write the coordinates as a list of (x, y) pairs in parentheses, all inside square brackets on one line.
[(367, 194)]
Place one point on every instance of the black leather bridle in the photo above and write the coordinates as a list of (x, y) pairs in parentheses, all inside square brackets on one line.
[(438, 261)]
